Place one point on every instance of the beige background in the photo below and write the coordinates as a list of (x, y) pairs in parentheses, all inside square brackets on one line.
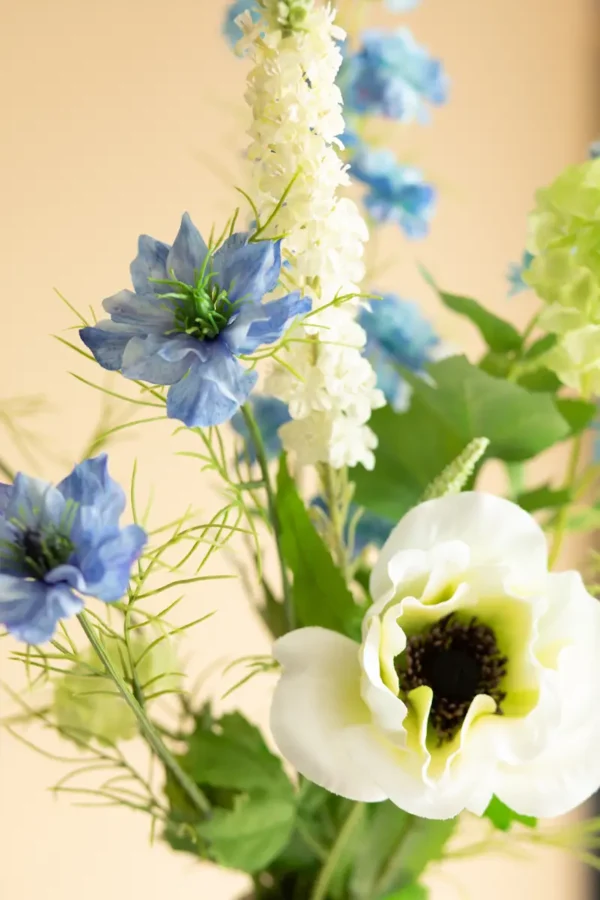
[(117, 116)]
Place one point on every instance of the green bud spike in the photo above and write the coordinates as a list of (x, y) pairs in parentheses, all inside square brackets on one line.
[(455, 476)]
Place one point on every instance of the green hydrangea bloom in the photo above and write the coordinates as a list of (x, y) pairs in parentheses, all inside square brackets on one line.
[(564, 237), (91, 707)]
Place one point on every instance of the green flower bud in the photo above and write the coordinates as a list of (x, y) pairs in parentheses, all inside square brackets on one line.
[(90, 706)]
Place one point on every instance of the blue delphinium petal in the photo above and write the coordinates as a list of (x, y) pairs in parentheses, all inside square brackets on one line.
[(233, 32), (514, 275), (188, 332), (150, 263), (393, 76), (59, 544), (402, 5), (398, 335), (247, 271), (264, 323), (186, 256), (90, 485), (396, 193), (5, 494), (212, 390), (106, 567), (270, 414)]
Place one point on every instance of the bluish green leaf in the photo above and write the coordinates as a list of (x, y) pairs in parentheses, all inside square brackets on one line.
[(463, 404), (321, 596), (500, 336), (503, 817)]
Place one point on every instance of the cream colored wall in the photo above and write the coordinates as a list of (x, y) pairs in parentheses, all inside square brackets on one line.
[(117, 116)]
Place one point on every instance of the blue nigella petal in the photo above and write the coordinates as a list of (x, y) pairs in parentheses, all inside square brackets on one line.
[(5, 494), (398, 336), (233, 32), (188, 332), (391, 75), (514, 275), (396, 193), (270, 414), (59, 544)]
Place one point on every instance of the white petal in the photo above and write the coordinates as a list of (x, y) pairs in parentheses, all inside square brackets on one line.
[(496, 531), (316, 706)]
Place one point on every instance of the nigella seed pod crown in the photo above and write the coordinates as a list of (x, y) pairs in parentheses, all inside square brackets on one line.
[(477, 674)]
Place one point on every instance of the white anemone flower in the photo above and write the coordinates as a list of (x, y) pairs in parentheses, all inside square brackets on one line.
[(478, 673)]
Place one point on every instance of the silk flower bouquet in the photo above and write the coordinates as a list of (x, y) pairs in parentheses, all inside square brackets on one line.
[(431, 665)]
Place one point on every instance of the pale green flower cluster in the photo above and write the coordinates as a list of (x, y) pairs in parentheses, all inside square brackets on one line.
[(564, 237), (89, 706)]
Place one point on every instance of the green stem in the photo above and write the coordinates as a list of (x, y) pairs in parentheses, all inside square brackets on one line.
[(147, 729), (395, 863), (336, 854), (261, 458), (337, 511), (561, 521)]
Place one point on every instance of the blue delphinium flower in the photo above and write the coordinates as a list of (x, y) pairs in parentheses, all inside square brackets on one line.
[(396, 193), (270, 414), (59, 544), (193, 312), (402, 5), (231, 30), (392, 76), (516, 284), (397, 335)]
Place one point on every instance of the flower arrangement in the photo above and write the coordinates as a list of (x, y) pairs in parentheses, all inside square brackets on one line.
[(430, 664)]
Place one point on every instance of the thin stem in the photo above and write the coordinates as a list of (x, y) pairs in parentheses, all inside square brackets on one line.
[(561, 521), (261, 458), (395, 862), (330, 867), (147, 729), (335, 491)]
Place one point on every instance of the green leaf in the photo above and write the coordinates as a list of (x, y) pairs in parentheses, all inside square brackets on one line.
[(387, 826), (499, 335), (577, 413), (502, 817), (321, 596), (272, 611), (251, 835), (410, 892), (542, 345), (465, 403), (234, 755), (544, 497), (540, 381)]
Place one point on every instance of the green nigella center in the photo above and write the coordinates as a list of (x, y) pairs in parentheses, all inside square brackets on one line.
[(201, 310), (42, 552), (458, 660)]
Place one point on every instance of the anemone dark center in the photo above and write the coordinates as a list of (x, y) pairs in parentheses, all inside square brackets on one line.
[(44, 551), (458, 660)]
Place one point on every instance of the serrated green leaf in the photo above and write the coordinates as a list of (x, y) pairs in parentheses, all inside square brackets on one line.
[(234, 755), (500, 336), (251, 835), (502, 817), (544, 497), (463, 404), (321, 596)]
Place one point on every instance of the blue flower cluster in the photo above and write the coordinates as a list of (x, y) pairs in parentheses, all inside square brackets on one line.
[(59, 544), (231, 30), (398, 336), (391, 75), (396, 193), (192, 314)]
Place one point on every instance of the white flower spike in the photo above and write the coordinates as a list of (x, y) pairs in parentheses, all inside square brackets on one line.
[(478, 673)]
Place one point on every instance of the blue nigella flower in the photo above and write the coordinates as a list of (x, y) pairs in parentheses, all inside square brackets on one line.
[(594, 150), (392, 76), (270, 414), (396, 193), (233, 32), (514, 275), (397, 335), (58, 544), (193, 312)]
